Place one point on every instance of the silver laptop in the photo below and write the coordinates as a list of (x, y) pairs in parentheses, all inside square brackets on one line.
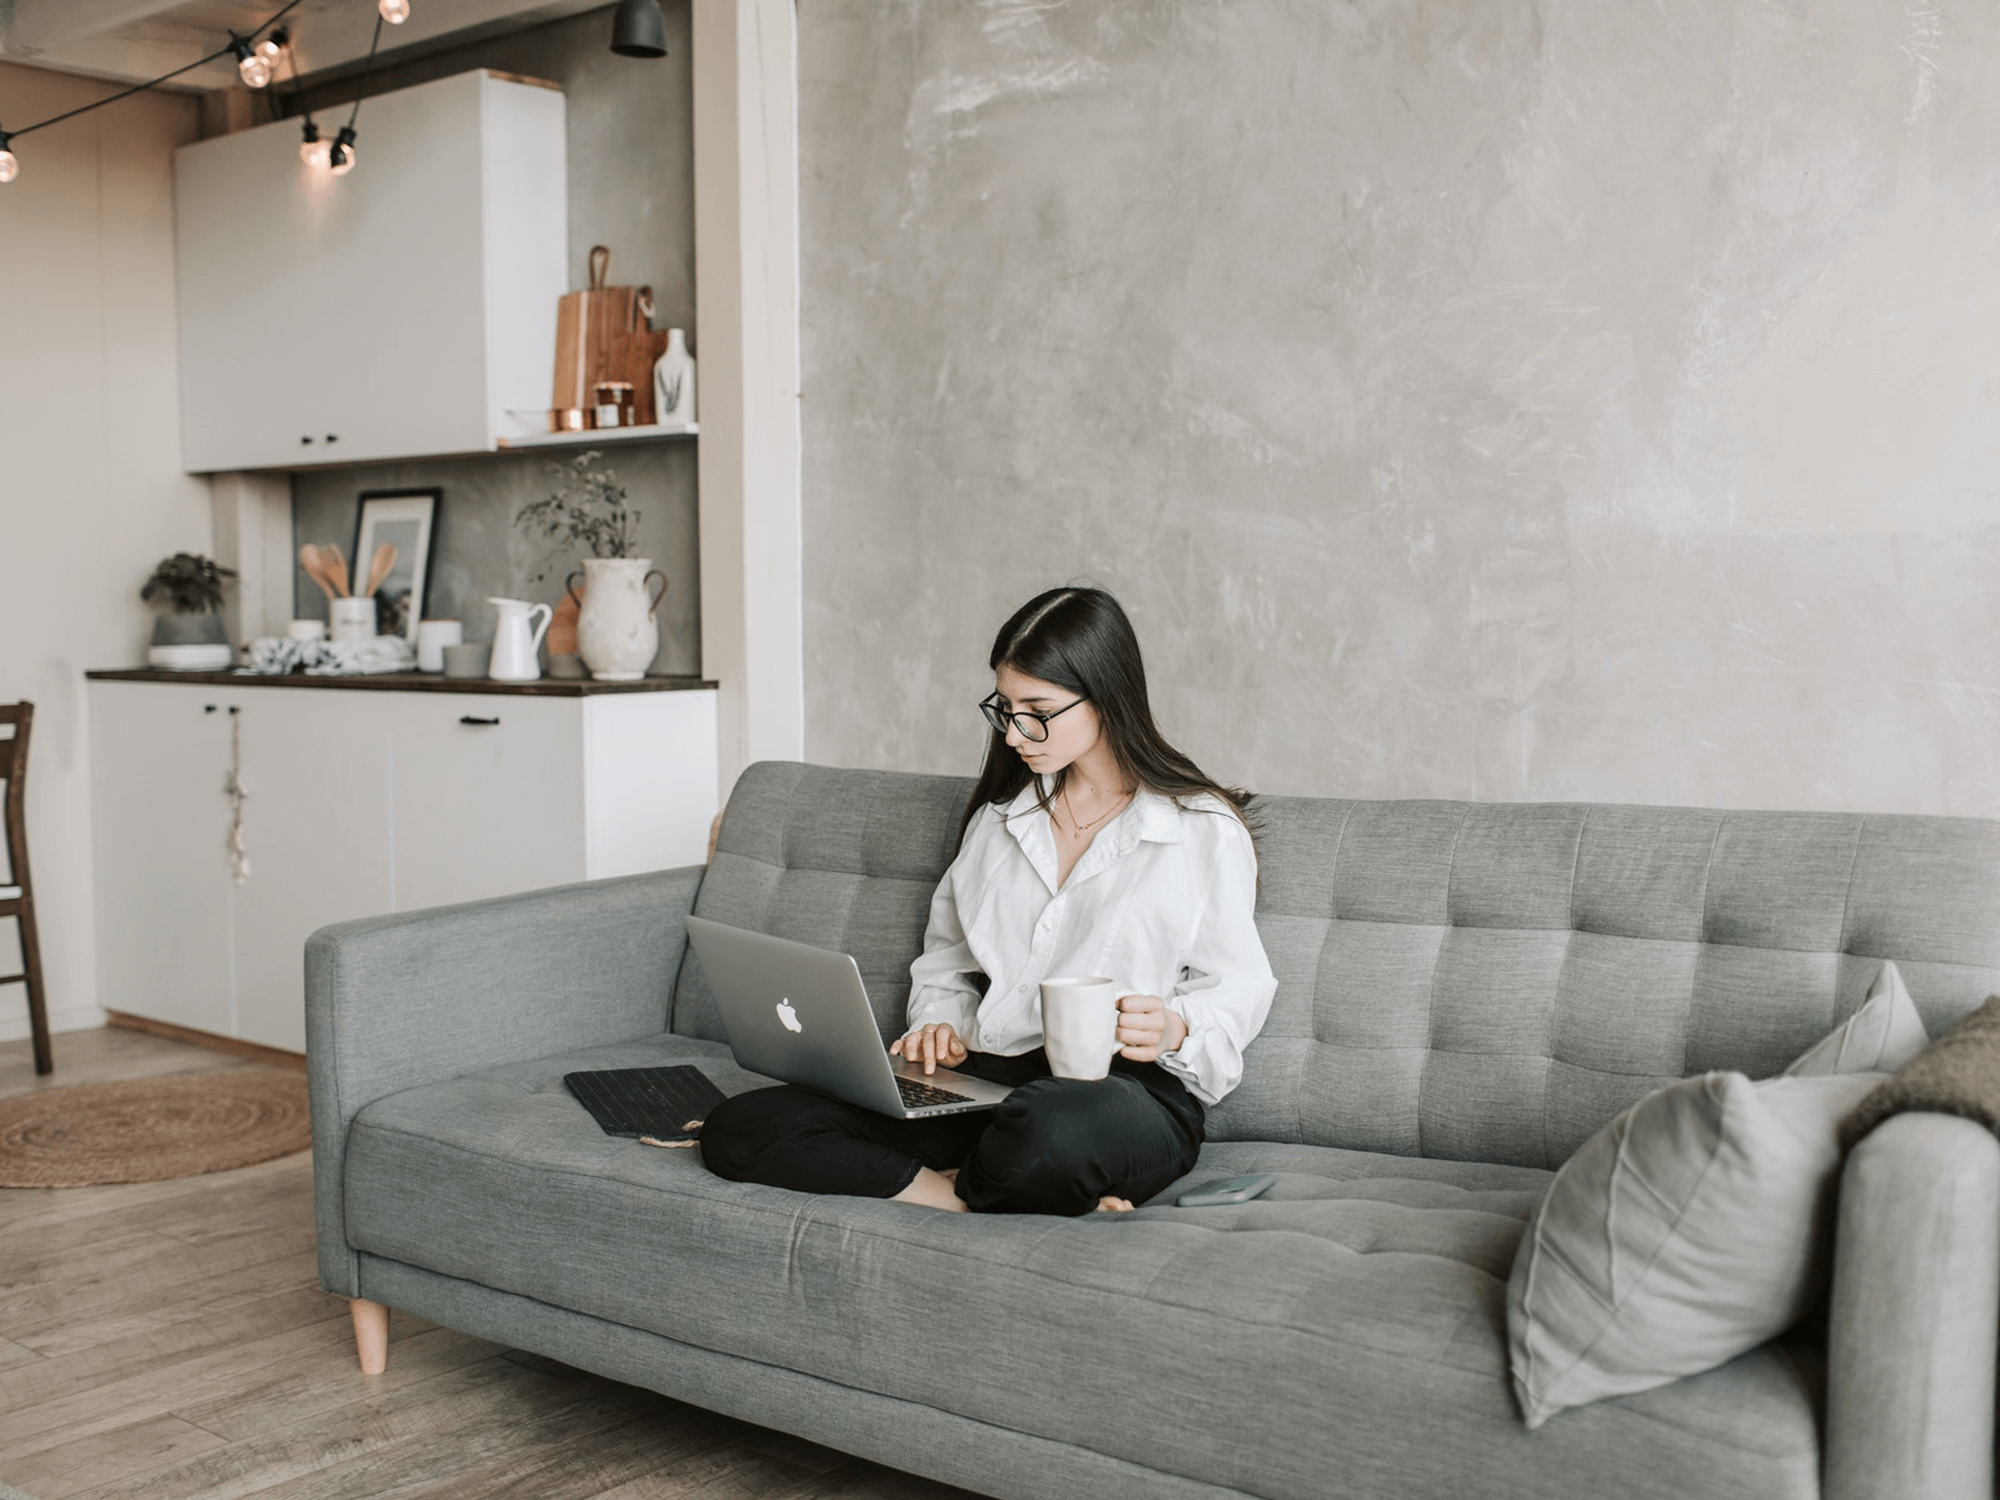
[(800, 1014)]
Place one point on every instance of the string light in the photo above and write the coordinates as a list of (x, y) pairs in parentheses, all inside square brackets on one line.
[(340, 157), (313, 151), (254, 70), (272, 48), (257, 62)]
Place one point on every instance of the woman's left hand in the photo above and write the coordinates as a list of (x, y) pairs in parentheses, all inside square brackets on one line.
[(1146, 1028)]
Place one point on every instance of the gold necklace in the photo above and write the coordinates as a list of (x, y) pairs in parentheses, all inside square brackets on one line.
[(1075, 826)]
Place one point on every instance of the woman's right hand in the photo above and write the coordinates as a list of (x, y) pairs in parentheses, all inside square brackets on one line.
[(935, 1046)]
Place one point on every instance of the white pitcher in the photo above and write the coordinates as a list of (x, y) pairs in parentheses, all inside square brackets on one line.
[(615, 632), (514, 643)]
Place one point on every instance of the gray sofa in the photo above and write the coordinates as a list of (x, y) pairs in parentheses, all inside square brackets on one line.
[(1466, 992)]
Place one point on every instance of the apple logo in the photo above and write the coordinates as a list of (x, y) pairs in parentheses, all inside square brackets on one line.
[(789, 1016)]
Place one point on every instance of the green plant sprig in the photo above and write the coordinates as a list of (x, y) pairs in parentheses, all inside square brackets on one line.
[(588, 508), (191, 584)]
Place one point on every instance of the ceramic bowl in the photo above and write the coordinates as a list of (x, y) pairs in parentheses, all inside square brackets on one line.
[(206, 658)]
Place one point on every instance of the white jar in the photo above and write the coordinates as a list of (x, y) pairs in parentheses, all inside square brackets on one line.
[(351, 619)]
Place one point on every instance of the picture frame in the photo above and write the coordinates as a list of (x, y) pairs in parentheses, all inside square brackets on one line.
[(407, 520)]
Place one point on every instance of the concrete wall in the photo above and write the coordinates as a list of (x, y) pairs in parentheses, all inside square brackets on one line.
[(91, 492), (631, 186), (1486, 398)]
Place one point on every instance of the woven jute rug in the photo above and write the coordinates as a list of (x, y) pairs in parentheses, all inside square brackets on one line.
[(152, 1129)]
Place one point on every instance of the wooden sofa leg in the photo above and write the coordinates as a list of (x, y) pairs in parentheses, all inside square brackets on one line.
[(371, 1334)]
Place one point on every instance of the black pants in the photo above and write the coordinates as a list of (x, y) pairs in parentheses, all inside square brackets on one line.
[(1053, 1146)]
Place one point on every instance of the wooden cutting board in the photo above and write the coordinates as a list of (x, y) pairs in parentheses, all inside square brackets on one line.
[(587, 322), (632, 357)]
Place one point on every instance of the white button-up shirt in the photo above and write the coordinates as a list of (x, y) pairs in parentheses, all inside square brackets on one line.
[(1162, 902)]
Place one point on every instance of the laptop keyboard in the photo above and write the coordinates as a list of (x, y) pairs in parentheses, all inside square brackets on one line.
[(922, 1095)]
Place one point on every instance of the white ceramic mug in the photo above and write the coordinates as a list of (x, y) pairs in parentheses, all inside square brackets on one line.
[(306, 630), (432, 637), (1079, 1026), (352, 619)]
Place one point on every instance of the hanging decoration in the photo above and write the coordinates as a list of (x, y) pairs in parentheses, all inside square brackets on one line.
[(259, 54)]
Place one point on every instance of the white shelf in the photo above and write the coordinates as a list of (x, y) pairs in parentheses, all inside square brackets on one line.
[(596, 436)]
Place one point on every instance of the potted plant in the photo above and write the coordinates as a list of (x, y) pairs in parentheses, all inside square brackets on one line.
[(616, 634), (190, 588)]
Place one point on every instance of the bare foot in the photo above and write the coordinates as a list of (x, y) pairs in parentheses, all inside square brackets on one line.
[(1110, 1205), (933, 1190)]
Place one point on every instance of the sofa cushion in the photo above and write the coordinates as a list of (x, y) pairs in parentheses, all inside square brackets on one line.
[(1484, 981), (1496, 981), (1363, 1289)]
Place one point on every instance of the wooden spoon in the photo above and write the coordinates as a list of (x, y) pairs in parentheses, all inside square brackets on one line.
[(378, 569), (336, 567), (309, 559)]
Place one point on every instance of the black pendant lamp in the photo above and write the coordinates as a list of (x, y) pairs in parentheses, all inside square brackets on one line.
[(639, 30)]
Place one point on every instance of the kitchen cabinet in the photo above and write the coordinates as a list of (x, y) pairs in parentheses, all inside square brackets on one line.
[(396, 312), (359, 803)]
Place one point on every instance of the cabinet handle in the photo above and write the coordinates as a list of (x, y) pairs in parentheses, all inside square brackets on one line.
[(468, 719)]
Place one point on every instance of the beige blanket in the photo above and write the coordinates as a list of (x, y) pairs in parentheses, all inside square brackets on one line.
[(1958, 1074)]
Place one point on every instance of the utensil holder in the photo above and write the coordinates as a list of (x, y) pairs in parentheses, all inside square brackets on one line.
[(351, 619)]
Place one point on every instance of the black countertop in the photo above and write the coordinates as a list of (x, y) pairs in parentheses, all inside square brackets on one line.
[(410, 682)]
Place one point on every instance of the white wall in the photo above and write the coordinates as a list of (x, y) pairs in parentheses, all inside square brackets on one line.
[(91, 493)]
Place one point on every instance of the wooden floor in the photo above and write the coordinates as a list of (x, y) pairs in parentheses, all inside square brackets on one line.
[(170, 1341)]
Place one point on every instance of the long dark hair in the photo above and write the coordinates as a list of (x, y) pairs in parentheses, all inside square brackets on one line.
[(1079, 638)]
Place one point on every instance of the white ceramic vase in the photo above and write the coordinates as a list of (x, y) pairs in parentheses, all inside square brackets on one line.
[(616, 634), (673, 383)]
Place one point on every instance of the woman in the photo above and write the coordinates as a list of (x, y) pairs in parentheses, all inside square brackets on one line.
[(1089, 846)]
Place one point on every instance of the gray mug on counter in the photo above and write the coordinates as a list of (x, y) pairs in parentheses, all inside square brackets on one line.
[(467, 660)]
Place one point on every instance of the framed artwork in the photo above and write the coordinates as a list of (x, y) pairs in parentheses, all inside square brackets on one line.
[(407, 521)]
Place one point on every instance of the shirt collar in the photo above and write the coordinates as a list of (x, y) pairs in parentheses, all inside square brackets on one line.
[(1151, 818)]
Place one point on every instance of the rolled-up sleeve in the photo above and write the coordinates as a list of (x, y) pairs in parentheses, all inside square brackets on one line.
[(941, 984), (1225, 990)]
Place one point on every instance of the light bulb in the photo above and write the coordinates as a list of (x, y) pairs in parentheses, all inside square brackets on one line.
[(270, 51), (10, 165), (395, 12), (315, 154), (340, 157)]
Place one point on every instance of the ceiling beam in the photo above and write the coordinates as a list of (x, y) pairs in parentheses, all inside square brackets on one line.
[(43, 24), (328, 38)]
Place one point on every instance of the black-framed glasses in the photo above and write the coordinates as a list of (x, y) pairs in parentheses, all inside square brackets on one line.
[(1033, 726)]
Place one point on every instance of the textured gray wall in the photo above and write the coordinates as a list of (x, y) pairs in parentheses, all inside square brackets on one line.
[(478, 553), (1491, 398), (631, 186)]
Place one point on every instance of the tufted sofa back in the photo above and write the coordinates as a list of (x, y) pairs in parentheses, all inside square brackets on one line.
[(1482, 981)]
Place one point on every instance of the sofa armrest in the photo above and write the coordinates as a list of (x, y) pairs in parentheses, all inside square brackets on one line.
[(1916, 1314), (395, 1002)]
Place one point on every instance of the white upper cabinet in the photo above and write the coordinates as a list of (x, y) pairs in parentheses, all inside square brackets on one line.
[(397, 312)]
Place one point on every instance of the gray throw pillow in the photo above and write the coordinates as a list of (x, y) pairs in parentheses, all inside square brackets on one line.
[(1688, 1231), (1880, 1037)]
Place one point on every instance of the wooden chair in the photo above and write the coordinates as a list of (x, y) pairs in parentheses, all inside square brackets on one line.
[(17, 900)]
